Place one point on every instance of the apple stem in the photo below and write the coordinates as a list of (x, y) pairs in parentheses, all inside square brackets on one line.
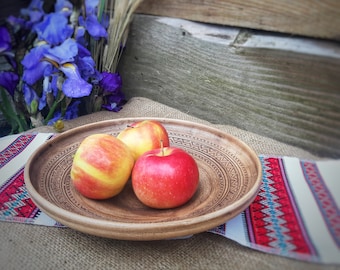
[(162, 148), (129, 126)]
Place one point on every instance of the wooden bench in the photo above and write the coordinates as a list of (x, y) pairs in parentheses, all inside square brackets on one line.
[(277, 84)]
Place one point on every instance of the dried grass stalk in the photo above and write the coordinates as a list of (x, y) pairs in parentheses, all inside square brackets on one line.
[(121, 14)]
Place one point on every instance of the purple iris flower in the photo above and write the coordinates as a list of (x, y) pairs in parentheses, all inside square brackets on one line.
[(114, 102), (93, 27), (91, 6), (110, 82), (5, 47), (83, 51), (5, 40), (34, 11), (47, 88), (79, 35), (54, 29), (91, 9), (86, 67), (34, 68), (72, 110), (71, 113), (63, 6), (18, 23), (9, 81), (56, 117), (42, 101), (29, 95), (74, 86), (50, 85), (62, 57)]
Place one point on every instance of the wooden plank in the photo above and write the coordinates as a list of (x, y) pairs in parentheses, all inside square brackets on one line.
[(234, 79), (319, 19)]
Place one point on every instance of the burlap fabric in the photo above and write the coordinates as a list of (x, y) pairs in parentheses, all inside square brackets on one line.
[(37, 247)]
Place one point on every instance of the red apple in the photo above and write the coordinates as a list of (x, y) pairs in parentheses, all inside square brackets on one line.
[(143, 136), (165, 178), (101, 166)]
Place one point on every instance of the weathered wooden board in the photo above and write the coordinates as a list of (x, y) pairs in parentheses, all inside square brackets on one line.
[(228, 76), (302, 17)]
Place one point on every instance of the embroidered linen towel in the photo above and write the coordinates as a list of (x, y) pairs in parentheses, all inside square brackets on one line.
[(295, 214)]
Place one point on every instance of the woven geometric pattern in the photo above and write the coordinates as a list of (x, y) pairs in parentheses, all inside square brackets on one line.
[(273, 217), (15, 202), (322, 195), (15, 148)]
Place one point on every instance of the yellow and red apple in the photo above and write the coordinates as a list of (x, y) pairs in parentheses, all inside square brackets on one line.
[(142, 136), (101, 166), (165, 178)]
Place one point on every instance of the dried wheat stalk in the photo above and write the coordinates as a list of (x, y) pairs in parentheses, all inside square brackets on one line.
[(121, 14)]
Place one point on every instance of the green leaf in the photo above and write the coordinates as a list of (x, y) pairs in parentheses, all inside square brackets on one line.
[(15, 120)]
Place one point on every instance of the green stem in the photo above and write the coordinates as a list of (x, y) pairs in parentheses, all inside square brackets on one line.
[(21, 122), (53, 108)]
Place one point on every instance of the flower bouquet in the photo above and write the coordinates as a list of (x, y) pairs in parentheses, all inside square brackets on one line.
[(58, 60)]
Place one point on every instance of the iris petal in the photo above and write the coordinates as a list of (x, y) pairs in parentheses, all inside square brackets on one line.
[(29, 94), (34, 68), (114, 102), (110, 82), (34, 56), (71, 113), (79, 34), (63, 53), (86, 67), (63, 6), (34, 11), (95, 29), (74, 86), (83, 51), (56, 117), (5, 39), (72, 110), (32, 75), (91, 6), (42, 101), (9, 81), (54, 29)]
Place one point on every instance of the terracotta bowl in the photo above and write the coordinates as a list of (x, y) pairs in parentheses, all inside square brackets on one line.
[(230, 177)]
